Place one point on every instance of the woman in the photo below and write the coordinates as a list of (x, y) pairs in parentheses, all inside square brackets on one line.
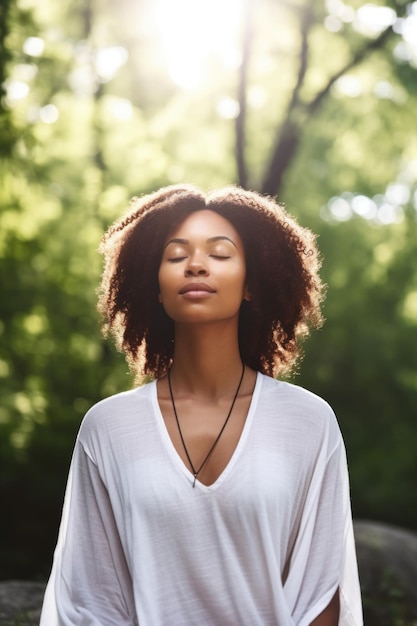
[(215, 494)]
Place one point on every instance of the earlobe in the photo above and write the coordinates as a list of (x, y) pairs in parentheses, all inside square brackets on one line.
[(247, 295)]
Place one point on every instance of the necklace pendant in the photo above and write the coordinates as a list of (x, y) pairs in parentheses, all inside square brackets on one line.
[(216, 441)]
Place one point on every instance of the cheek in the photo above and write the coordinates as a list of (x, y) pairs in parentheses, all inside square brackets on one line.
[(238, 278)]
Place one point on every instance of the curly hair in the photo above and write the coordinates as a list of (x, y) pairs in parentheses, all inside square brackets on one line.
[(282, 265)]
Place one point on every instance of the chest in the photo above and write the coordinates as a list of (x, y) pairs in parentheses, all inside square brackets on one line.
[(261, 483), (205, 436)]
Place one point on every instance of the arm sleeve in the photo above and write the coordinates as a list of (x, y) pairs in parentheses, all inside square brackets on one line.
[(324, 559), (90, 583)]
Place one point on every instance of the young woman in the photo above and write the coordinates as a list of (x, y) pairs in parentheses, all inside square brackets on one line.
[(215, 494)]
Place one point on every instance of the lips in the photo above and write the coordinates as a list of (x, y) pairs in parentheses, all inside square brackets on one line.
[(193, 287)]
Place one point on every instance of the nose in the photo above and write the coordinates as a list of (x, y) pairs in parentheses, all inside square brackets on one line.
[(196, 267)]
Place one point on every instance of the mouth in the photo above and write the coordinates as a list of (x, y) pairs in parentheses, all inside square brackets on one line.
[(196, 288)]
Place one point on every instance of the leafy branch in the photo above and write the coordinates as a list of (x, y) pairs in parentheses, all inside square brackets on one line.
[(289, 134)]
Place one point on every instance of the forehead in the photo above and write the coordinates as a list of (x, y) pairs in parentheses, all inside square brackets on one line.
[(204, 224)]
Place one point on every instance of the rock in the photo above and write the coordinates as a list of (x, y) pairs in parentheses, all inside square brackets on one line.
[(20, 602), (387, 562)]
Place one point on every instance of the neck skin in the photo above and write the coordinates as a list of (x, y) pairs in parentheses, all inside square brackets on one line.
[(207, 361)]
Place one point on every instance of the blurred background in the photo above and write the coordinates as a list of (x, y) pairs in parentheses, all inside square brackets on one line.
[(312, 101)]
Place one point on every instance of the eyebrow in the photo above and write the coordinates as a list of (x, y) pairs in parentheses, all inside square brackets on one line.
[(185, 242)]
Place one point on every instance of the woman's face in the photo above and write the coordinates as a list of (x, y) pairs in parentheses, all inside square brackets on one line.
[(202, 275)]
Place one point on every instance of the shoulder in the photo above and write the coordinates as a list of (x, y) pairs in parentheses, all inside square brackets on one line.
[(118, 413), (293, 396), (299, 409)]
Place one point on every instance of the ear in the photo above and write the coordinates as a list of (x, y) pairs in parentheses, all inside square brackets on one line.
[(247, 294), (159, 298)]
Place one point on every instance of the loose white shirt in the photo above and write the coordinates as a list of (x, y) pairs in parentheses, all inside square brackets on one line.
[(268, 544)]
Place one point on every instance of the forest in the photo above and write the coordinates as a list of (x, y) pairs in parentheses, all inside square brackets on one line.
[(310, 101)]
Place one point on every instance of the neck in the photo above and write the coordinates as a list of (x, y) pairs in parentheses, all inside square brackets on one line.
[(206, 361)]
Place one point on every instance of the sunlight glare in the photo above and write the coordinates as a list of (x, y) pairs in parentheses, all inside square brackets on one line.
[(398, 193), (109, 60), (348, 85), (16, 90), (364, 206), (390, 214), (340, 209), (406, 50), (228, 108), (372, 19), (49, 114), (33, 46), (195, 32)]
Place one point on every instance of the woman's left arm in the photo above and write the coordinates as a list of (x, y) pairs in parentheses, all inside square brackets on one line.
[(330, 615), (323, 569)]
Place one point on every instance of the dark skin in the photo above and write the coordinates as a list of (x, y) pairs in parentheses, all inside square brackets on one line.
[(207, 364), (330, 615)]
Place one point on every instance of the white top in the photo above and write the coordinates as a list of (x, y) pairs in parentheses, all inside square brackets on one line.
[(267, 544)]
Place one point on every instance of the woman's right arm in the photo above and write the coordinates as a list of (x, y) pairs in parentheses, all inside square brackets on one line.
[(90, 583)]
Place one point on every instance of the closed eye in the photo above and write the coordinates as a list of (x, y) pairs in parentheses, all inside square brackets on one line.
[(219, 257), (176, 259)]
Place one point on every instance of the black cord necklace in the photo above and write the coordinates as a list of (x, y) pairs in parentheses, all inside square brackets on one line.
[(194, 470)]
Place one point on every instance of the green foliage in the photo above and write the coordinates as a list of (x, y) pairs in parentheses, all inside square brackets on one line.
[(83, 140), (364, 362)]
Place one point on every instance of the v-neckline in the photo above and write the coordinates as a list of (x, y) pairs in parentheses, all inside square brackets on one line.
[(176, 458)]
